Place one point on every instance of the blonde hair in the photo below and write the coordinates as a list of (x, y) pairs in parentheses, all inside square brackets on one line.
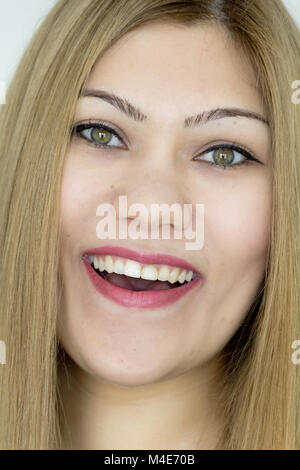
[(261, 396)]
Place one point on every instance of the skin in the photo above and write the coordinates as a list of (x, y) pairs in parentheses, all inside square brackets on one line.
[(142, 379)]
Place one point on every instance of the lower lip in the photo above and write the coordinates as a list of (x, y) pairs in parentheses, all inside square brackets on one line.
[(138, 299)]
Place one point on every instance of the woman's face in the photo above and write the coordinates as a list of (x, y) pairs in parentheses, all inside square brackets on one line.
[(169, 73)]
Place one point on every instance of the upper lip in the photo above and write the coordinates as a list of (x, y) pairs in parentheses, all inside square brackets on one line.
[(142, 257)]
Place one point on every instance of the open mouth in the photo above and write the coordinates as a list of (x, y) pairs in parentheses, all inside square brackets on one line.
[(134, 276), (130, 283)]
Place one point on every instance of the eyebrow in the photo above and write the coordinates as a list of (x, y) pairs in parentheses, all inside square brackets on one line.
[(123, 105)]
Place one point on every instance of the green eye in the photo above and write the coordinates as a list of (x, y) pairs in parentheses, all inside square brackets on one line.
[(223, 155), (98, 135)]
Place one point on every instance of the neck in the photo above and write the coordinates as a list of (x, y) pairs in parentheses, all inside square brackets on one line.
[(178, 412)]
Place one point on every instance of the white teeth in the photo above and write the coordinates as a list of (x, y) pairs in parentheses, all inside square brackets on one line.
[(108, 264), (174, 276), (137, 270), (132, 269), (119, 266), (163, 274), (149, 272), (101, 264), (96, 262), (182, 277)]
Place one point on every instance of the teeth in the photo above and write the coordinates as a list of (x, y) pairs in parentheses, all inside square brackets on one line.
[(100, 263), (163, 274), (182, 277), (149, 272), (134, 269), (108, 264), (174, 276), (119, 266), (96, 262)]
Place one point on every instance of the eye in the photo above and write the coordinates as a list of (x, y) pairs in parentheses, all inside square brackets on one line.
[(98, 135), (227, 156)]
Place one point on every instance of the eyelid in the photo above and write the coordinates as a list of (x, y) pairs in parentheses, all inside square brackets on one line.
[(231, 145), (95, 123), (248, 154)]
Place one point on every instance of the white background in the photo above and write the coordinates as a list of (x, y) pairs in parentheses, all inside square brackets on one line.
[(20, 18)]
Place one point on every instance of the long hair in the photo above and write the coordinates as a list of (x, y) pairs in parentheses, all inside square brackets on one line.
[(261, 396)]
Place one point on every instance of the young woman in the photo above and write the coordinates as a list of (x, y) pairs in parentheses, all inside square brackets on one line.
[(187, 102)]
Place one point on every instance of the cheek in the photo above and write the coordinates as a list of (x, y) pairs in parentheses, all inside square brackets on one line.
[(78, 198), (237, 230), (84, 186), (238, 219), (74, 197)]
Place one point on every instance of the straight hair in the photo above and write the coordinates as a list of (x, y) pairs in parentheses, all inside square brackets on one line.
[(261, 393)]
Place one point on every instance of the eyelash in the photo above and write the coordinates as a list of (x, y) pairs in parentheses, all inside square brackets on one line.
[(89, 125), (246, 153)]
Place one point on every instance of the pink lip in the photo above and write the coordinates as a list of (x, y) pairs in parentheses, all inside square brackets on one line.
[(139, 299)]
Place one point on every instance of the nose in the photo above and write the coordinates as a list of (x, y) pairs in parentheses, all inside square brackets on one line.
[(157, 199)]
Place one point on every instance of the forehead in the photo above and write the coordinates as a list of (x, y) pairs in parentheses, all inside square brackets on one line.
[(175, 67)]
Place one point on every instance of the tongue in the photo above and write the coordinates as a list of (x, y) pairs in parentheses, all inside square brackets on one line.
[(135, 283)]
